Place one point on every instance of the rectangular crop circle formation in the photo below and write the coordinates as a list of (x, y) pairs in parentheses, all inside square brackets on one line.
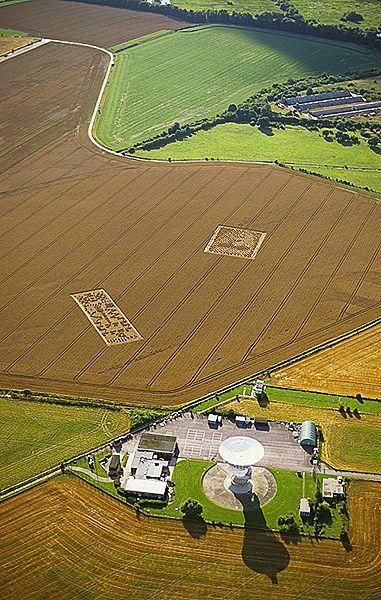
[(233, 241), (106, 317)]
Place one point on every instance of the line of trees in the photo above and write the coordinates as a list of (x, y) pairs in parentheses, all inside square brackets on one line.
[(290, 20)]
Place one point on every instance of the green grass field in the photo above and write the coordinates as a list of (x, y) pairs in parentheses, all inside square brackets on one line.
[(304, 148), (330, 11), (188, 476), (36, 436), (275, 394), (196, 73), (8, 2), (370, 179), (12, 32), (253, 7), (302, 398)]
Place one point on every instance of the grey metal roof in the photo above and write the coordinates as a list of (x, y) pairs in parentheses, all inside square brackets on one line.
[(308, 433)]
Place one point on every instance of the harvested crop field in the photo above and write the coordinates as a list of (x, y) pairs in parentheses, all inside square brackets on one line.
[(9, 43), (83, 22), (65, 539), (350, 367), (75, 219)]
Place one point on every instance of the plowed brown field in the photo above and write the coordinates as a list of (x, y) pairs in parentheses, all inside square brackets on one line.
[(350, 367), (74, 218), (65, 539), (81, 22)]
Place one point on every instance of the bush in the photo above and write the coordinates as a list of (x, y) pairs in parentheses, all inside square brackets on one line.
[(323, 513), (191, 509), (140, 417)]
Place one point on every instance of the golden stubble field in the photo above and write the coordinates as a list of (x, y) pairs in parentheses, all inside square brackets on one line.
[(350, 367), (14, 42), (66, 540)]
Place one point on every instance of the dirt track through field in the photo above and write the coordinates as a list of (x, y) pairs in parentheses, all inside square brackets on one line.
[(74, 218), (76, 542)]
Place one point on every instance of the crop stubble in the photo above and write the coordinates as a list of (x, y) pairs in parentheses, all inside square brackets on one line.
[(75, 219), (350, 367), (77, 541)]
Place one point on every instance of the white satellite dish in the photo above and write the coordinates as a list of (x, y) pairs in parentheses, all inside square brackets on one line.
[(241, 453)]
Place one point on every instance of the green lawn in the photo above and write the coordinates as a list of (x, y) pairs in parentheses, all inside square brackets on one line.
[(293, 145), (217, 398), (36, 436), (253, 7), (195, 73), (330, 11), (188, 476), (371, 407)]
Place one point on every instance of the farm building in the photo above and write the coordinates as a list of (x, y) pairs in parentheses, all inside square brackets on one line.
[(259, 389), (332, 95), (151, 469), (214, 420), (308, 434), (304, 507), (114, 467), (333, 488), (162, 446), (146, 488), (242, 421), (138, 456)]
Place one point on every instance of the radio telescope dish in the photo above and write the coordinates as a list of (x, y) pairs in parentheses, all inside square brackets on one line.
[(241, 452)]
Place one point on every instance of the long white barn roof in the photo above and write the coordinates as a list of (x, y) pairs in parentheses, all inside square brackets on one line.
[(144, 486)]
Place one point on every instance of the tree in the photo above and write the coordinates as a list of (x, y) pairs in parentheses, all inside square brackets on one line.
[(373, 142), (309, 91), (191, 509), (264, 123), (288, 523), (232, 108), (27, 393)]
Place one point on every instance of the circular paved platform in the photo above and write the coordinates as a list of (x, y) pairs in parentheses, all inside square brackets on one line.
[(216, 486)]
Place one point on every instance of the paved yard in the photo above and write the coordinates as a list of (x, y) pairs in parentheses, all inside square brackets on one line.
[(197, 440)]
